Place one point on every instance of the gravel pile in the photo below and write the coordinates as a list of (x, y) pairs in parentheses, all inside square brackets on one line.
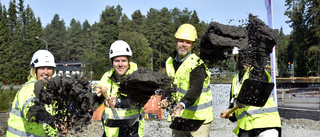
[(219, 128)]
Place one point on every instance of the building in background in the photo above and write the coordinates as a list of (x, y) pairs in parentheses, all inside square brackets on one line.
[(69, 68)]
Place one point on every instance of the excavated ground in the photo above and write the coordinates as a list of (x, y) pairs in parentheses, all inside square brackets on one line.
[(219, 128)]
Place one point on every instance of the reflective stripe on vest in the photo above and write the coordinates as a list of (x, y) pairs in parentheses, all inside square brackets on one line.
[(104, 116), (199, 107), (17, 112), (20, 133), (257, 111), (182, 91)]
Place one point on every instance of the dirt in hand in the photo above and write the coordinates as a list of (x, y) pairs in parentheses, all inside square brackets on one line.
[(141, 84), (73, 103)]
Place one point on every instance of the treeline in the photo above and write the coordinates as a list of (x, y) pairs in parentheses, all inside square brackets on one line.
[(150, 36), (300, 48)]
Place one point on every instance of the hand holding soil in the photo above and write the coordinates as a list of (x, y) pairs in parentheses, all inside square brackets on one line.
[(73, 100), (101, 91), (164, 104), (176, 111), (111, 102), (62, 128)]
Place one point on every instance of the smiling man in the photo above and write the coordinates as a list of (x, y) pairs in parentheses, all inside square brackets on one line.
[(120, 55), (192, 78)]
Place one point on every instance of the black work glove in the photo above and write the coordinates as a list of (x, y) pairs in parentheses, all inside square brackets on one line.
[(39, 114), (38, 86)]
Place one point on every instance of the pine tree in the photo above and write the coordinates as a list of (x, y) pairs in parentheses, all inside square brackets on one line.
[(175, 12), (141, 51), (125, 24), (195, 21), (138, 21), (152, 33), (14, 45), (166, 45), (4, 45), (282, 54), (108, 31), (185, 16), (55, 35), (75, 44)]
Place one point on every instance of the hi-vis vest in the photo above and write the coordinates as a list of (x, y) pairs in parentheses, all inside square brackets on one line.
[(252, 117), (18, 124), (202, 108), (119, 113)]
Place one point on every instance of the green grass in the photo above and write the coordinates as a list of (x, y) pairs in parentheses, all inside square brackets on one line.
[(6, 98), (222, 79)]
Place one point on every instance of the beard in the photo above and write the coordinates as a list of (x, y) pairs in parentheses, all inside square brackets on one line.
[(182, 53)]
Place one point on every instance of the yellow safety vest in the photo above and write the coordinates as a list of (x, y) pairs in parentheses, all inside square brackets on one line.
[(120, 113), (18, 124), (202, 108), (252, 117)]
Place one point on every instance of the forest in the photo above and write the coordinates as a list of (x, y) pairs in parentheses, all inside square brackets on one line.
[(150, 36)]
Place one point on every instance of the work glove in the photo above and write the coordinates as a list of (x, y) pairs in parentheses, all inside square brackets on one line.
[(38, 87), (39, 114)]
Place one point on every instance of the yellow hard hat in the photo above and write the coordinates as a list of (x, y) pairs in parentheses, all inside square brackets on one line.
[(187, 32)]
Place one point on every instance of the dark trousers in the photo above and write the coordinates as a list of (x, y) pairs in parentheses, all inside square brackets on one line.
[(131, 131)]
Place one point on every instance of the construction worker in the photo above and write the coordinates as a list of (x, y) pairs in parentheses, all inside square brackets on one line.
[(19, 124), (120, 55), (192, 78), (252, 121)]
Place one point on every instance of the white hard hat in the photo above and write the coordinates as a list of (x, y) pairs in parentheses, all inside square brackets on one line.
[(235, 50), (42, 58), (120, 48)]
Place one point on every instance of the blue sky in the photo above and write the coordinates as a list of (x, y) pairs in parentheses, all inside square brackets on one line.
[(208, 10)]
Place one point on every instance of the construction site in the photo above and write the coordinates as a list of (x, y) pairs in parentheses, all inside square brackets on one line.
[(298, 99), (299, 108)]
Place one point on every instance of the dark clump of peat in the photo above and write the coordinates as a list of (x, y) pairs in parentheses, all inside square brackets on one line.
[(255, 40), (143, 83), (218, 41), (73, 104)]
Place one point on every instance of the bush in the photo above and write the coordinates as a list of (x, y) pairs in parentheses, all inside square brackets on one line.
[(6, 98)]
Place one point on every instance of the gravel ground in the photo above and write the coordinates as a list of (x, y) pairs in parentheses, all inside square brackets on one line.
[(219, 128)]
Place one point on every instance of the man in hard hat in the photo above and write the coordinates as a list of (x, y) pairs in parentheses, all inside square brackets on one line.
[(192, 78), (120, 55), (19, 124), (252, 121)]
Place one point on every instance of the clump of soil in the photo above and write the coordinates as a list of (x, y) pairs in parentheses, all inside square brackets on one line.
[(73, 103), (261, 40), (141, 84), (218, 41), (255, 41)]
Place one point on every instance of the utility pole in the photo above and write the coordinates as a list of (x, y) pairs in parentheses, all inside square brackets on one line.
[(294, 27), (318, 65)]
